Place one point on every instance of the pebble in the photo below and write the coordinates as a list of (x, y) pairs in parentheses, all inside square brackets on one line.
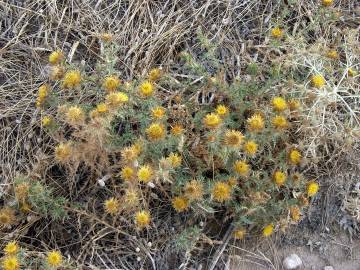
[(101, 183), (292, 261), (329, 268)]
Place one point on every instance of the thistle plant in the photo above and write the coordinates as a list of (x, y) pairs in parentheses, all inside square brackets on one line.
[(236, 153)]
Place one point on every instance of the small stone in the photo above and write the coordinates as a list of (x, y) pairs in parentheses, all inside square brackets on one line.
[(101, 183), (329, 268), (151, 184), (292, 261)]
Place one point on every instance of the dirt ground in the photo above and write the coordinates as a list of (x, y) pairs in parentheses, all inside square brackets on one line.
[(319, 250), (328, 236)]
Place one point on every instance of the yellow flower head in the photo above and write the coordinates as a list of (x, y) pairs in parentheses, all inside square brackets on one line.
[(318, 81), (155, 132), (146, 89), (222, 110), (46, 121), (127, 173), (63, 152), (158, 112), (241, 167), (43, 91), (54, 258), (107, 37), (114, 99), (276, 32), (72, 79), (332, 54), (111, 83), (233, 138), (11, 248), (279, 104), (295, 213), (177, 130), (56, 57), (239, 233), (250, 148), (351, 72), (131, 197), (280, 122), (295, 157), (75, 115), (312, 188), (10, 263), (56, 73), (112, 206), (142, 219), (39, 102), (294, 104), (327, 3), (221, 192), (154, 74), (212, 120), (130, 153), (255, 123), (145, 174), (268, 230), (7, 216), (279, 178), (102, 108), (174, 159), (194, 190), (180, 204)]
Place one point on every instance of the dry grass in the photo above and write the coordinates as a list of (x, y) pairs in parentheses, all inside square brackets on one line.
[(149, 33)]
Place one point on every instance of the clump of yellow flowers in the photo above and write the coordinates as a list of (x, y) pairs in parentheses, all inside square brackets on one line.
[(167, 150), (11, 260)]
